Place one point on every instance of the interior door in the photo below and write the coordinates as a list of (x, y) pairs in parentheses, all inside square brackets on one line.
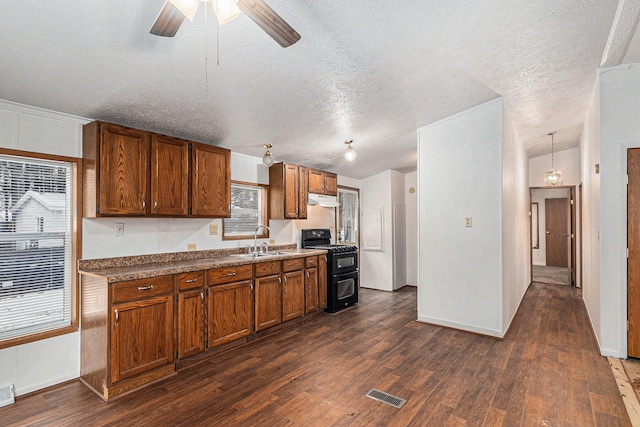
[(557, 234), (633, 245)]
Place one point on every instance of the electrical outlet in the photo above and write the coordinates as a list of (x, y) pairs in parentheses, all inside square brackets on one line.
[(119, 229), (213, 228), (467, 221), (191, 246), (272, 241)]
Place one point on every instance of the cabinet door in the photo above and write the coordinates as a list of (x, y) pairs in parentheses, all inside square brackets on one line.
[(291, 191), (303, 185), (316, 181), (230, 311), (311, 287), (268, 302), (169, 176), (124, 168), (191, 337), (292, 295), (322, 282), (141, 336), (330, 184), (211, 181)]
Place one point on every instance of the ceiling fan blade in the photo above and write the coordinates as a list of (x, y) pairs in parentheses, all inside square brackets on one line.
[(269, 21), (168, 21)]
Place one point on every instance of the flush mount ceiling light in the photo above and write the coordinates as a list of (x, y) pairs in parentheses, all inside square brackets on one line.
[(350, 154), (552, 177), (267, 159)]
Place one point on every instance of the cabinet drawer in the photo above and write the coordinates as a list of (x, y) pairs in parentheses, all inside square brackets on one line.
[(311, 261), (142, 288), (267, 268), (293, 264), (191, 280), (230, 274)]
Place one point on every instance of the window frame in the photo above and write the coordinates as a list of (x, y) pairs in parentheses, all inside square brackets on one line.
[(76, 245), (264, 233)]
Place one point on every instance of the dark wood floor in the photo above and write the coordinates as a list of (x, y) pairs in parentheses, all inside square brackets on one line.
[(547, 372)]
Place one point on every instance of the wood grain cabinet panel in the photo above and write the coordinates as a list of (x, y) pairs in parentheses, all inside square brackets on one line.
[(116, 176), (311, 290), (268, 301), (211, 181), (191, 325), (288, 191), (303, 191), (169, 176), (292, 295), (322, 282), (321, 182), (141, 336), (230, 311)]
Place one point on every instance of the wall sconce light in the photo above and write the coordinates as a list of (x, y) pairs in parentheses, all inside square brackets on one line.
[(350, 154), (267, 159)]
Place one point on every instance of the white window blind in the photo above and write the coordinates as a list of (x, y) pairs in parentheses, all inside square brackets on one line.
[(247, 210), (35, 246)]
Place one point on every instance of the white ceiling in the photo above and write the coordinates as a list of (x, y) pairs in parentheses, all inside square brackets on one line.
[(372, 71)]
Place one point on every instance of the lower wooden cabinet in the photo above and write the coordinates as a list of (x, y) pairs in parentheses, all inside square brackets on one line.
[(230, 311), (292, 295), (141, 336), (311, 290), (191, 337), (322, 282), (268, 301)]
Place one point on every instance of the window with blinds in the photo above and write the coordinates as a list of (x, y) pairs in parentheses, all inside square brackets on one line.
[(248, 211), (35, 246)]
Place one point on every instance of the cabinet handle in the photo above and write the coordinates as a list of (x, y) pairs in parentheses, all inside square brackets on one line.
[(202, 296), (192, 280), (144, 203), (280, 280), (251, 285), (307, 275), (145, 288), (155, 205), (285, 279), (117, 317), (232, 274)]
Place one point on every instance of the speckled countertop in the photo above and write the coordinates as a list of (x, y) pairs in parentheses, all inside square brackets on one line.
[(143, 266)]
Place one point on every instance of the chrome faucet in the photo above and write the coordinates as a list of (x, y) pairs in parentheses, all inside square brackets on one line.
[(255, 237)]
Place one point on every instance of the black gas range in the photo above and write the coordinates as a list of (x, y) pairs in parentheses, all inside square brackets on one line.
[(342, 268)]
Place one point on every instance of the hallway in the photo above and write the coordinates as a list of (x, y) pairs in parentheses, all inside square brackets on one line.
[(546, 372)]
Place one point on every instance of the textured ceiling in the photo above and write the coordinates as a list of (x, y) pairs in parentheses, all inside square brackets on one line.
[(372, 71)]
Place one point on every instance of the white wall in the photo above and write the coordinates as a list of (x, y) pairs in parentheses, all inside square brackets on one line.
[(619, 131), (411, 201), (47, 362), (516, 238), (460, 175), (590, 155)]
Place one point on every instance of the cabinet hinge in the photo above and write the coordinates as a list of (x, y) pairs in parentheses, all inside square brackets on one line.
[(99, 127), (206, 344), (572, 201), (190, 211), (177, 299), (176, 354), (98, 209)]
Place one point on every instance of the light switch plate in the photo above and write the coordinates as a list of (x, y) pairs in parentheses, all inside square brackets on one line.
[(191, 246), (119, 229), (467, 221)]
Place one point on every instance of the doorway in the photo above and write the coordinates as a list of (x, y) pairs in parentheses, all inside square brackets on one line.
[(553, 235)]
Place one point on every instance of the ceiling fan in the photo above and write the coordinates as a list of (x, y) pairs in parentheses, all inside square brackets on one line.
[(174, 11)]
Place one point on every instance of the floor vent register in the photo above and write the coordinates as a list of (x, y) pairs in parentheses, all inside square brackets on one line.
[(383, 397), (7, 395)]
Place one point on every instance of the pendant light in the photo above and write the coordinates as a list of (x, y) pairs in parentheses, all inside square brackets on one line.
[(267, 159), (552, 177), (350, 154)]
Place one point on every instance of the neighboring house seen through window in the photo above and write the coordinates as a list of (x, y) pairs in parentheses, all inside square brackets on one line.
[(36, 267), (248, 211)]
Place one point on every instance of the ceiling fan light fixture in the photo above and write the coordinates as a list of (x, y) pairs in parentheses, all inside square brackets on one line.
[(267, 159), (187, 7), (225, 10), (552, 177), (350, 154)]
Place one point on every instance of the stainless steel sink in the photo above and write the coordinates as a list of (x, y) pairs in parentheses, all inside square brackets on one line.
[(262, 255)]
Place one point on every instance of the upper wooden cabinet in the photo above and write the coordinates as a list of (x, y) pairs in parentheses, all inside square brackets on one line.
[(169, 175), (211, 181), (321, 182), (130, 172), (288, 191), (115, 170)]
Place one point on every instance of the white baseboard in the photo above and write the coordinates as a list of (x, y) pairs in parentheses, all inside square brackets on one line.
[(461, 326), (35, 387)]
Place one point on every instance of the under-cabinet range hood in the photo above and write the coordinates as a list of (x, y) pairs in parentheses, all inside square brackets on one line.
[(322, 200)]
